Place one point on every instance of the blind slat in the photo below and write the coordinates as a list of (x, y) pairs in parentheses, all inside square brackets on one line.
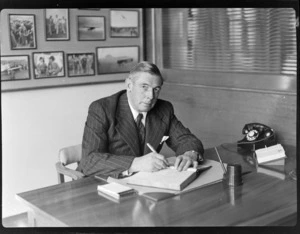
[(236, 39)]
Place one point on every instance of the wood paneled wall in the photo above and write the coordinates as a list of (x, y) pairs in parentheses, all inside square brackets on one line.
[(218, 115)]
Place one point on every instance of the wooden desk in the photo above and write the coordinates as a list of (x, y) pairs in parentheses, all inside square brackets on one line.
[(261, 200)]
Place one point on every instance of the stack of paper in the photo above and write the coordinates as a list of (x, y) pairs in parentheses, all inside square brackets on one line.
[(269, 154), (115, 190), (272, 170)]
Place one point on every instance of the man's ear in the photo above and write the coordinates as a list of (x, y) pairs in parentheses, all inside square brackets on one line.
[(128, 84)]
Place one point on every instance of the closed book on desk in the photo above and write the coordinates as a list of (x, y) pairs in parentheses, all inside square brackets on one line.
[(275, 171), (168, 178), (115, 190)]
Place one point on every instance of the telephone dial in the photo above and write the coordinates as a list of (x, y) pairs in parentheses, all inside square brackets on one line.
[(257, 136)]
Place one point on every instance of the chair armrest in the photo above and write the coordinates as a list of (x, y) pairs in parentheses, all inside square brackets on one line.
[(68, 172)]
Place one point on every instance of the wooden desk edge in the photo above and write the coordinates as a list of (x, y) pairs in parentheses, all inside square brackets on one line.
[(34, 213)]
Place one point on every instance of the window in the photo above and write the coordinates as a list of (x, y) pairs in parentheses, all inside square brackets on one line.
[(247, 40)]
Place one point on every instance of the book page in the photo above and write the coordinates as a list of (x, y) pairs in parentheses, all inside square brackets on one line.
[(168, 178), (210, 176)]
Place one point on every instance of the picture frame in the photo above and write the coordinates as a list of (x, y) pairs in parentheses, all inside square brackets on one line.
[(22, 31), (15, 67), (81, 64), (116, 59), (57, 24), (91, 28), (90, 9), (124, 23), (48, 64)]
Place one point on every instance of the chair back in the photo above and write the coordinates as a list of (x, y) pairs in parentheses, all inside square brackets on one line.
[(70, 154), (66, 156)]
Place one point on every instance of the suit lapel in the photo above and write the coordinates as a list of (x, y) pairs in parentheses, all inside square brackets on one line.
[(126, 125), (155, 128)]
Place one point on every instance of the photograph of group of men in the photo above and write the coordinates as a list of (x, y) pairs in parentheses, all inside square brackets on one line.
[(81, 64), (57, 24), (22, 34)]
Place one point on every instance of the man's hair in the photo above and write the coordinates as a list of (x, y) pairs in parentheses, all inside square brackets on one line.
[(52, 57), (145, 66)]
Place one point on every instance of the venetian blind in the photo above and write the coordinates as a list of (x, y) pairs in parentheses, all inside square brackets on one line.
[(252, 40)]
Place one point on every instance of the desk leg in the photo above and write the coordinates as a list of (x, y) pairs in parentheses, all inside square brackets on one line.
[(31, 218)]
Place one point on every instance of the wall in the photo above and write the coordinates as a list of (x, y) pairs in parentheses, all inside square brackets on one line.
[(218, 115), (37, 123), (66, 46)]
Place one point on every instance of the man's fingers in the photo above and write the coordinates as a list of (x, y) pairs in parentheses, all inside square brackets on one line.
[(154, 169), (160, 164), (177, 162), (195, 164), (187, 165), (181, 165), (163, 159)]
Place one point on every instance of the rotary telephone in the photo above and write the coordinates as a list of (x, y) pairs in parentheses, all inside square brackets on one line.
[(257, 136)]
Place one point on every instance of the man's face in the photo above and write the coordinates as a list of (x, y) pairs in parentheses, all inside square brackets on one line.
[(143, 91)]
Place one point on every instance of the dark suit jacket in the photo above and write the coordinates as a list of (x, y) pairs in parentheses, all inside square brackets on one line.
[(110, 139)]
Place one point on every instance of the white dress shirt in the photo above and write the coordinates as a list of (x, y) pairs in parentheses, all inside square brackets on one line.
[(135, 114)]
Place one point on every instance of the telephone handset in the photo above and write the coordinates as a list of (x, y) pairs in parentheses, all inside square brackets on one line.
[(257, 136)]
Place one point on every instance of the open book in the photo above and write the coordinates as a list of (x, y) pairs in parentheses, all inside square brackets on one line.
[(168, 178), (159, 182)]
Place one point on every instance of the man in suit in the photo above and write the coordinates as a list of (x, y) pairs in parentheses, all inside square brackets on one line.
[(115, 145)]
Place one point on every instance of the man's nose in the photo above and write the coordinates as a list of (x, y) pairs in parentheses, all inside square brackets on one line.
[(150, 93)]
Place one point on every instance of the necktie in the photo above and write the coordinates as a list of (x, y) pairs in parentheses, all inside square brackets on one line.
[(141, 131)]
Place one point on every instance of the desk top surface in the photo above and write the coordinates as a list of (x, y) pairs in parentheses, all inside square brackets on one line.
[(261, 200)]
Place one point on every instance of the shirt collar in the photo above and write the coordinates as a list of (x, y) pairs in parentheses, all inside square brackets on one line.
[(135, 113)]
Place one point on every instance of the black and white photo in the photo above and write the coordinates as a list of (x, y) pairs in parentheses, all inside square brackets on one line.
[(116, 59), (81, 64), (48, 64), (91, 28), (124, 23), (57, 24), (22, 31), (15, 67)]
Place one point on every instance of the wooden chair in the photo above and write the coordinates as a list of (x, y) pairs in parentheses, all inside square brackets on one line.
[(66, 156)]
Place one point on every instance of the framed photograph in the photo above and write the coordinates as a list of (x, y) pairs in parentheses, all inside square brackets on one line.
[(90, 9), (91, 28), (57, 24), (81, 64), (15, 67), (124, 23), (22, 31), (48, 64), (116, 59)]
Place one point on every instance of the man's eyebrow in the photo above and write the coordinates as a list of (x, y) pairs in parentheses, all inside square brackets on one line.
[(159, 86)]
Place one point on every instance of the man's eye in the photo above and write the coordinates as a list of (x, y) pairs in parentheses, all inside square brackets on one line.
[(145, 87), (156, 90)]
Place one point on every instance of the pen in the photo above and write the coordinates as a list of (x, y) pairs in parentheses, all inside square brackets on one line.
[(220, 161), (151, 148), (154, 151)]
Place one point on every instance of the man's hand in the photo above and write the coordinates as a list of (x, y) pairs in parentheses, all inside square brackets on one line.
[(149, 162), (184, 161)]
